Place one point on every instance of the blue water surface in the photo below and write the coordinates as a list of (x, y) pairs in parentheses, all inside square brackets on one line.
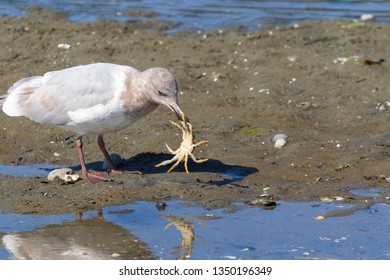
[(210, 14), (290, 231)]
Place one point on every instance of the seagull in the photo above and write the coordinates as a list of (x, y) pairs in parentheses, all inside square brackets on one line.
[(96, 99)]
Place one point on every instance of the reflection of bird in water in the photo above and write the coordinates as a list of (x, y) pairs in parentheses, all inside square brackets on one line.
[(186, 228), (90, 239)]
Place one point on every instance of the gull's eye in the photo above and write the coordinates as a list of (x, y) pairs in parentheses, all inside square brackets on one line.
[(162, 94)]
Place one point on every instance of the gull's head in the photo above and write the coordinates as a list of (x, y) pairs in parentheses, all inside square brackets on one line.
[(163, 89)]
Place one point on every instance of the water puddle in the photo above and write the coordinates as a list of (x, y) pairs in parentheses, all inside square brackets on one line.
[(371, 192), (184, 230), (28, 170)]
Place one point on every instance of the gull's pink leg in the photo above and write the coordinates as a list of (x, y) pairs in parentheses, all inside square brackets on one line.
[(91, 177), (111, 165)]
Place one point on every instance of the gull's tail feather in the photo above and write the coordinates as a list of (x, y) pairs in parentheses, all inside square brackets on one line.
[(13, 103)]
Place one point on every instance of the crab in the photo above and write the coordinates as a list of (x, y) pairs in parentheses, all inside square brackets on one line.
[(185, 149)]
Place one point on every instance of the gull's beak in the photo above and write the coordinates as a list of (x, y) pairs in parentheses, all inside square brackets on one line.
[(179, 113)]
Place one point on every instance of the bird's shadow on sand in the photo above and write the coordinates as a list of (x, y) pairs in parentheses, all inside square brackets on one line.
[(145, 162)]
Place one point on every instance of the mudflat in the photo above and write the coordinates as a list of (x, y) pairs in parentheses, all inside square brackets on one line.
[(324, 84)]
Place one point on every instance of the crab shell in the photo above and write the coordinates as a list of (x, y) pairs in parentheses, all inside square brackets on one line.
[(65, 174)]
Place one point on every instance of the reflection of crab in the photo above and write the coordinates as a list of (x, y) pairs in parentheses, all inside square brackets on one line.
[(185, 149)]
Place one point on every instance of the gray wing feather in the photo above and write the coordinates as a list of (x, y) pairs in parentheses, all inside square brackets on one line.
[(49, 98)]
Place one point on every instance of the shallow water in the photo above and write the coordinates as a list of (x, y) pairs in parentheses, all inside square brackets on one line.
[(210, 14), (27, 170), (372, 192), (287, 232)]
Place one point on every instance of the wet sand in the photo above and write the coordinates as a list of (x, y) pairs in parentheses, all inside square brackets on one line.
[(319, 83)]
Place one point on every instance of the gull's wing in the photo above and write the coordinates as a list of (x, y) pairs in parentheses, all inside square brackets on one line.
[(52, 98)]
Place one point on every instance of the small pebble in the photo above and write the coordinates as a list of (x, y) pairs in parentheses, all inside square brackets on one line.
[(263, 203), (326, 199), (64, 46), (319, 218), (280, 143), (116, 159), (366, 17), (381, 107), (161, 206), (279, 136)]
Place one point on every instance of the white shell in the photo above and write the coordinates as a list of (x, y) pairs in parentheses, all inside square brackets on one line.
[(279, 136), (116, 159), (65, 174), (366, 17), (281, 142), (64, 46)]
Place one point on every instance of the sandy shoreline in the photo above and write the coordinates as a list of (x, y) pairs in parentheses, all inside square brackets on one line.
[(319, 83)]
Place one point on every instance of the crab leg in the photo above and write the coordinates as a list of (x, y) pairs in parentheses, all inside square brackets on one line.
[(198, 160), (165, 162), (200, 143), (178, 126), (177, 163), (186, 163), (171, 150)]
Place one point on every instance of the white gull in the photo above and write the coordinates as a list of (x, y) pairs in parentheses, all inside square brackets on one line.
[(92, 99)]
